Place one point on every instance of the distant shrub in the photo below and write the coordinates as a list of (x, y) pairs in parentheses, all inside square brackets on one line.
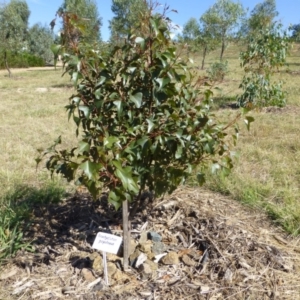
[(21, 60), (217, 71), (259, 91), (266, 52)]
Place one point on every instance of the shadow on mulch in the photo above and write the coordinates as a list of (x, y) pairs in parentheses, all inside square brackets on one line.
[(79, 218), (57, 224)]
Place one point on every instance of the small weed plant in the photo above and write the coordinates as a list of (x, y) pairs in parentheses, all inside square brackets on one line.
[(218, 71)]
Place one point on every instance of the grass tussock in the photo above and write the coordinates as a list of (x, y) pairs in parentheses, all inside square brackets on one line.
[(16, 208)]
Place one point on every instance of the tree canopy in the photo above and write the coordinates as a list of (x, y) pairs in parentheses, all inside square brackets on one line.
[(127, 16), (295, 34), (13, 27), (222, 18), (262, 15), (199, 37), (39, 42), (87, 11)]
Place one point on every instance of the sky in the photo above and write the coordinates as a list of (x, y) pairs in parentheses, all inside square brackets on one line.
[(43, 11)]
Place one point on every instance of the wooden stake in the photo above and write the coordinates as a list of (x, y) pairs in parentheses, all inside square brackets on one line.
[(126, 237)]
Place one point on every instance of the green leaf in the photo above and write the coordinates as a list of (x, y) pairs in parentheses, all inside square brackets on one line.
[(178, 153), (125, 175), (215, 167), (76, 100), (137, 99), (150, 125), (37, 160), (85, 110), (91, 186), (162, 82), (154, 24), (131, 69), (101, 81), (83, 147), (56, 49), (114, 199), (109, 141), (248, 120), (119, 106), (140, 41), (90, 169), (75, 77), (57, 141)]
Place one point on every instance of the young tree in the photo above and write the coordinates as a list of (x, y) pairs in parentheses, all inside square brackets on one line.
[(128, 16), (262, 15), (40, 39), (87, 11), (223, 18), (266, 52), (191, 34), (199, 36), (13, 28), (143, 125)]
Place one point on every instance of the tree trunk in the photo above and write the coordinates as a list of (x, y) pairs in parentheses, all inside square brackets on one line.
[(222, 49), (203, 58), (6, 64), (126, 235)]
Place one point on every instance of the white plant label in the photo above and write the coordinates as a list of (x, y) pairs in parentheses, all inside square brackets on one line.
[(107, 242)]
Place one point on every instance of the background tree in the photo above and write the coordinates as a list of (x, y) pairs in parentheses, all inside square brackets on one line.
[(40, 39), (223, 18), (295, 32), (127, 17), (191, 33), (13, 28), (91, 21), (262, 15), (198, 36)]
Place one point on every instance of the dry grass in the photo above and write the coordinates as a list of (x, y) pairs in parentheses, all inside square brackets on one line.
[(32, 116), (267, 174)]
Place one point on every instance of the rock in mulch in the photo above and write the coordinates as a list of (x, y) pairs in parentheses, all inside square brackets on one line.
[(97, 263), (87, 275), (154, 236), (111, 269), (170, 259), (188, 261), (158, 248)]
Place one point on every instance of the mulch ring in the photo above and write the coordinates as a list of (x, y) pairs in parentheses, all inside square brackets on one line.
[(207, 247), (288, 109)]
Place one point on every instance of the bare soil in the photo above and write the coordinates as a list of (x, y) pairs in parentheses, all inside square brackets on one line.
[(225, 251)]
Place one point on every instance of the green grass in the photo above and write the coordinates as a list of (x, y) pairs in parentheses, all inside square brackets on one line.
[(16, 213)]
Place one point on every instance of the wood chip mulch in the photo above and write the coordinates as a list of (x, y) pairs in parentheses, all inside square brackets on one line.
[(224, 251)]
